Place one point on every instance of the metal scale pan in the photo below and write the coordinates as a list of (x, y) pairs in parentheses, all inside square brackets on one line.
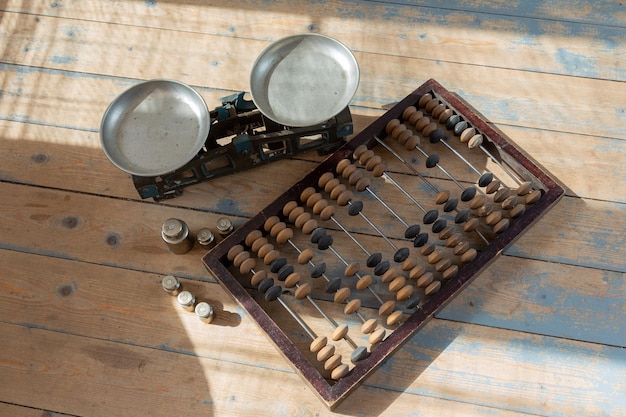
[(154, 127), (304, 80)]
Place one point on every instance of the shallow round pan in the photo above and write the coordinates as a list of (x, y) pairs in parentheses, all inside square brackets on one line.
[(154, 127), (304, 80)]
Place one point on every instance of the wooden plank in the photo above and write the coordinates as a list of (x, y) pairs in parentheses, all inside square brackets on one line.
[(501, 94), (12, 410), (86, 376), (519, 39)]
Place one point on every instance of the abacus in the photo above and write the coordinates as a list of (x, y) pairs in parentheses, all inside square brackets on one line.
[(341, 269)]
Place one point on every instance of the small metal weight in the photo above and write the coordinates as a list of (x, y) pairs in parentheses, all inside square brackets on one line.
[(171, 285), (205, 238), (205, 312), (186, 300), (175, 234)]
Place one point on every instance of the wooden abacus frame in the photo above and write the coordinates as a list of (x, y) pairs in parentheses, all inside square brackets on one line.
[(332, 393)]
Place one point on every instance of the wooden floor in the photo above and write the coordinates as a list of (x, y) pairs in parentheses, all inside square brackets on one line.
[(85, 328)]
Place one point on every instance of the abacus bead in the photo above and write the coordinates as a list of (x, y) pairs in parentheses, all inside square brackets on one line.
[(374, 259), (333, 362), (438, 110), (493, 217), (446, 232), (375, 160), (359, 151), (404, 136), (468, 193), (252, 236), (364, 282), (477, 202), (428, 129), (417, 272), (467, 134), (445, 115), (431, 105), (433, 288), (442, 197), (397, 130), (485, 179), (309, 226), (307, 192), (292, 280), (394, 318), (469, 255), (422, 123), (319, 206), (344, 198), (471, 225), (533, 196), (327, 213), (302, 291), (325, 353), (415, 117), (287, 208), (366, 156), (352, 306), (270, 222), (266, 284), (501, 194), (381, 268), (331, 184), (340, 371), (318, 270), (485, 210), (369, 326), (301, 219), (424, 99), (318, 344), (340, 332), (284, 235), (349, 170), (404, 293), (341, 295), (305, 256), (408, 112), (412, 143), (493, 186), (509, 202), (420, 240), (277, 264), (247, 266), (413, 302), (397, 284), (234, 251), (443, 264), (334, 193), (257, 244), (379, 170), (462, 216), (461, 248), (341, 165), (271, 256), (425, 280), (475, 141), (257, 277), (323, 179), (501, 226), (401, 255), (362, 184), (392, 125), (295, 213), (452, 121), (450, 205), (351, 269), (439, 225), (273, 293), (313, 198), (359, 354), (432, 160), (355, 208), (460, 127), (450, 272), (376, 336), (241, 256), (332, 286), (317, 234), (264, 250), (427, 249), (517, 211), (412, 231), (389, 275), (453, 241), (430, 216), (387, 308)]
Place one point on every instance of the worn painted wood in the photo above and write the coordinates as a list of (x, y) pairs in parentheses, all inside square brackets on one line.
[(85, 328)]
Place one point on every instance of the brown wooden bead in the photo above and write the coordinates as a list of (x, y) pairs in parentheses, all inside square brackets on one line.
[(461, 248), (485, 210), (340, 332), (369, 326), (326, 352), (501, 226), (397, 284), (334, 193), (287, 208), (469, 255), (533, 196), (442, 197), (344, 198), (352, 306), (313, 198), (257, 277), (247, 266), (467, 134), (443, 264), (424, 99), (341, 165), (493, 217), (293, 215), (396, 132), (319, 206), (305, 256), (307, 192), (271, 256), (517, 211), (341, 295), (264, 250), (438, 110), (270, 222), (387, 308), (471, 225), (327, 213), (394, 318), (366, 156), (429, 128), (477, 202), (351, 269), (408, 112), (309, 226), (389, 275), (333, 362), (417, 272), (364, 282), (324, 178), (404, 293), (453, 241), (404, 136), (446, 233), (493, 186), (376, 336), (339, 372), (509, 202), (408, 264), (318, 344), (252, 236), (359, 151), (373, 161), (432, 288), (427, 249), (355, 177), (351, 169), (284, 236), (331, 184), (450, 272), (379, 170), (431, 105), (425, 280), (362, 184), (277, 228), (303, 291), (234, 251), (524, 188), (415, 117), (256, 245), (292, 280), (392, 125), (445, 115), (501, 194), (475, 141), (422, 123), (412, 143)]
